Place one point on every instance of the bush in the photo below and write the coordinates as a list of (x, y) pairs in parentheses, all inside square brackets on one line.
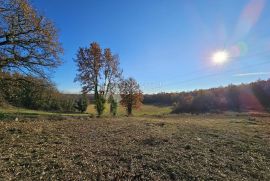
[(113, 107), (100, 104), (82, 103)]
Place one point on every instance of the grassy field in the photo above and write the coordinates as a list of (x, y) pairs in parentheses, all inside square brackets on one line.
[(212, 147), (142, 111), (21, 111)]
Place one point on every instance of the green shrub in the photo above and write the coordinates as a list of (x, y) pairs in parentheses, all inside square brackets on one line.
[(113, 106), (100, 104), (82, 103)]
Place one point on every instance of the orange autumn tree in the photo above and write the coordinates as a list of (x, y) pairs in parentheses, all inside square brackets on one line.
[(28, 41), (131, 95)]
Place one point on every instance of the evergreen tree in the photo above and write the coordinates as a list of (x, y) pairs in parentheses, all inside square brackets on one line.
[(113, 105), (82, 103)]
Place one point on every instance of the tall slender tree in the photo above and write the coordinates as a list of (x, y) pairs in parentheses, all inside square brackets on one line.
[(112, 72)]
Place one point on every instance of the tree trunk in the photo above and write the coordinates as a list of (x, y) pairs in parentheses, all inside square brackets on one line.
[(97, 101), (129, 110)]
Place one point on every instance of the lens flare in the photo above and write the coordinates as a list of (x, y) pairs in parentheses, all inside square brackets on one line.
[(220, 57), (249, 17)]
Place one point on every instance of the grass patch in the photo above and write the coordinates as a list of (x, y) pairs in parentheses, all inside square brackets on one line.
[(142, 111), (12, 112)]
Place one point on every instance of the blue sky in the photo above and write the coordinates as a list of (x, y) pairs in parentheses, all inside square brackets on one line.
[(166, 45)]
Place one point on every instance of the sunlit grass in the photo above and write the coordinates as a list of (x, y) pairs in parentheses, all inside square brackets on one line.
[(143, 110), (14, 110)]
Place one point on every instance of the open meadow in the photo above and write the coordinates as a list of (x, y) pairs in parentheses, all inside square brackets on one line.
[(142, 111), (180, 147)]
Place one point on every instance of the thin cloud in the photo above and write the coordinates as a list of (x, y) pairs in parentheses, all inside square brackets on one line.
[(251, 74)]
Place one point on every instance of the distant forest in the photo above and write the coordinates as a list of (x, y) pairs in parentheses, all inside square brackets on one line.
[(245, 97)]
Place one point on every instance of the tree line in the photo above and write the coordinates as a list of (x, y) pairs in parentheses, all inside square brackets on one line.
[(30, 50), (245, 97), (38, 94)]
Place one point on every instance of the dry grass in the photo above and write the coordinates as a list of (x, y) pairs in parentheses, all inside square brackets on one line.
[(165, 148), (143, 110)]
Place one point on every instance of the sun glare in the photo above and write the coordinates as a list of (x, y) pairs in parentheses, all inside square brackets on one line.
[(220, 57)]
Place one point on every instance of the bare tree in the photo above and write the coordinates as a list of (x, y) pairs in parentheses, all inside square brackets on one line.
[(28, 41), (112, 73), (131, 95)]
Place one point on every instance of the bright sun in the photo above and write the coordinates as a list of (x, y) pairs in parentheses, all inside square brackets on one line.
[(220, 57)]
